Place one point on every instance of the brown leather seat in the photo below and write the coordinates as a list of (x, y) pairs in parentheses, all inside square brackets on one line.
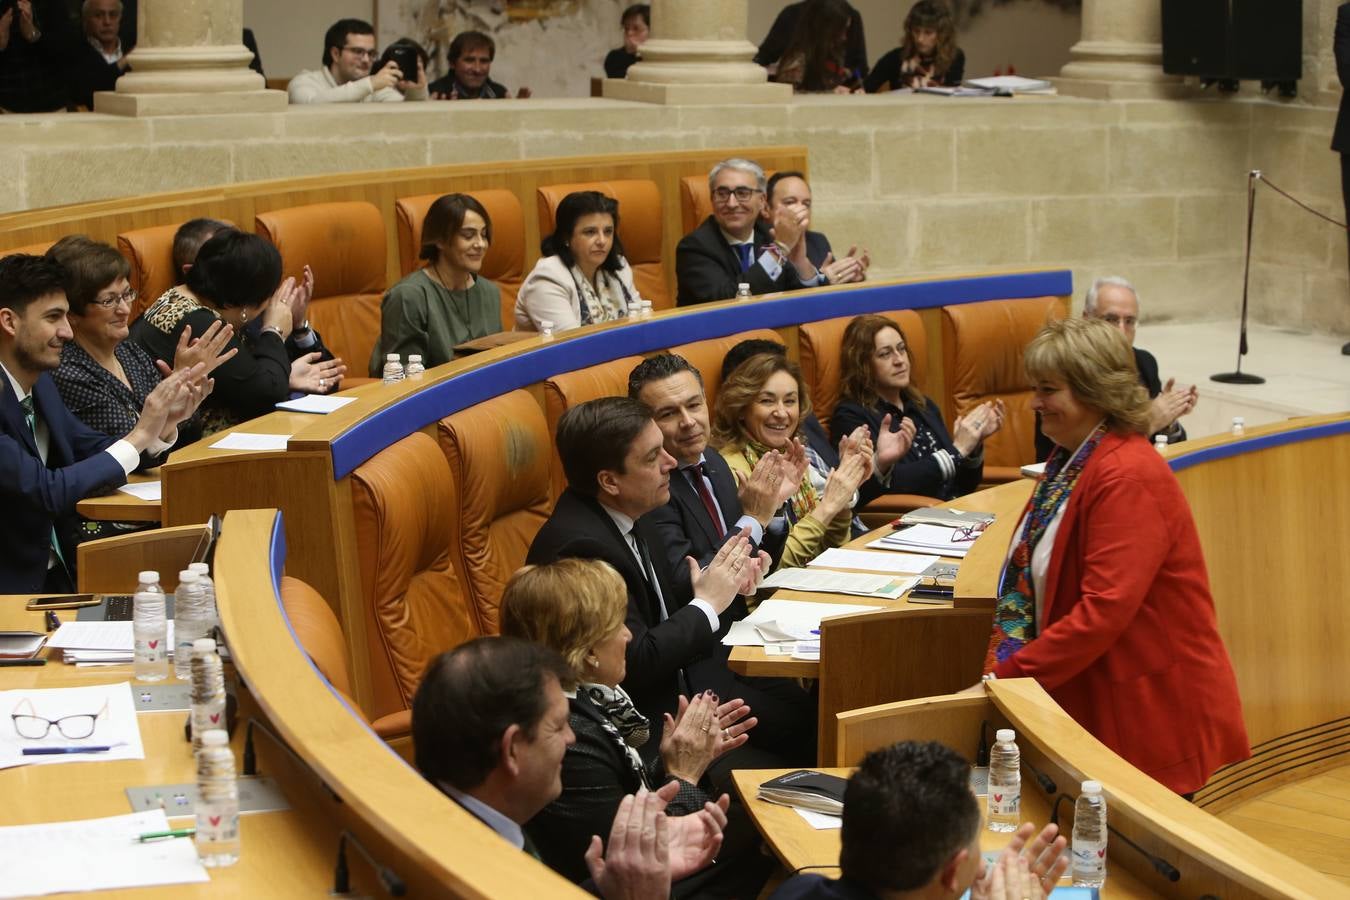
[(639, 229), (504, 264), (570, 388), (344, 244), (318, 631), (500, 453), (707, 356), (150, 253), (982, 345), (413, 600)]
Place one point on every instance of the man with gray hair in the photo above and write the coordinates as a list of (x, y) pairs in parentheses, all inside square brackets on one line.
[(100, 59), (735, 246)]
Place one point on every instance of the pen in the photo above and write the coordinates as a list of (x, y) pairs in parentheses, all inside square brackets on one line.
[(53, 621), (55, 751), (31, 661), (161, 835)]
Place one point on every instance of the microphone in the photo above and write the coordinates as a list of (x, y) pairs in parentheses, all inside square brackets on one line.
[(1160, 865), (1045, 781), (250, 764), (393, 885)]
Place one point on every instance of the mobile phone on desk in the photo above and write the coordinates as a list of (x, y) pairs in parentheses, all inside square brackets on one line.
[(64, 601)]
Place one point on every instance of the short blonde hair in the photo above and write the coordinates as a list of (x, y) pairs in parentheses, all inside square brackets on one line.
[(569, 606), (740, 389), (1096, 362)]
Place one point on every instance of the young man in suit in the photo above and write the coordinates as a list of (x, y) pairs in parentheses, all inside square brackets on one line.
[(49, 460), (788, 193)]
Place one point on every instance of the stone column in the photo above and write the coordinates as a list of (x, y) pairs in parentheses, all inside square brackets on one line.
[(698, 54), (1120, 53), (189, 58)]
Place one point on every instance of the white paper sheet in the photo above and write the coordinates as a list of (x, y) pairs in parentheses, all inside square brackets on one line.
[(238, 440), (143, 490), (93, 855), (96, 635), (873, 561), (793, 616), (884, 587), (925, 539), (319, 404), (117, 725), (820, 821)]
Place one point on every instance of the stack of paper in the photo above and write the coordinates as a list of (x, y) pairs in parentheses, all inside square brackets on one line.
[(926, 539), (115, 725), (883, 587), (873, 561), (99, 643), (1014, 83), (792, 627)]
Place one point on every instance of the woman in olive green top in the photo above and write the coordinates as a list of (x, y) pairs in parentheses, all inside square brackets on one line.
[(445, 302)]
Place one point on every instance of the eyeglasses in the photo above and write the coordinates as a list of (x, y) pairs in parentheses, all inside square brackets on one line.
[(361, 52), (743, 194), (33, 727), (128, 297), (968, 532)]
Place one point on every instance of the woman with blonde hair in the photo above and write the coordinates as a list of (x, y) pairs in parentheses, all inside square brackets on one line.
[(577, 608), (1104, 598), (760, 408)]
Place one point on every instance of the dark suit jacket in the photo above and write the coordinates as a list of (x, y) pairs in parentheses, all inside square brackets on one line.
[(579, 527), (818, 887), (780, 33), (707, 268), (914, 473), (89, 72), (37, 496), (1340, 138)]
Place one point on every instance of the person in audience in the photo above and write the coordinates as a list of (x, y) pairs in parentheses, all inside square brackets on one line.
[(915, 452), (470, 57), (188, 240), (236, 277), (34, 56), (911, 828), (812, 430), (759, 410), (49, 460), (736, 246), (785, 25), (577, 607), (345, 76), (446, 302), (581, 277), (491, 727), (637, 25), (1105, 599), (813, 60), (927, 55), (787, 193), (101, 58)]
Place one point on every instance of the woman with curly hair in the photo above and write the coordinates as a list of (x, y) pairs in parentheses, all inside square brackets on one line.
[(927, 56)]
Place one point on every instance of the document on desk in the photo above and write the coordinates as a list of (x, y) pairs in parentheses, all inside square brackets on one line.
[(882, 587), (98, 642), (787, 621), (94, 855), (238, 440), (819, 821), (143, 490), (318, 404), (873, 561), (925, 539), (115, 727)]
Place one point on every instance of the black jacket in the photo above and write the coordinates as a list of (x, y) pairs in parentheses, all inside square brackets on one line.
[(707, 269), (780, 33), (1340, 138), (915, 473)]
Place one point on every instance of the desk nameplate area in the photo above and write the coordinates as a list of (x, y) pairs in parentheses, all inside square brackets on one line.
[(257, 794)]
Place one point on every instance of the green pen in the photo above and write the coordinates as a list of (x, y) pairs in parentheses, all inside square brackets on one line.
[(162, 835)]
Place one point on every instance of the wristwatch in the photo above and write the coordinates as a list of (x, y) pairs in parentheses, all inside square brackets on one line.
[(303, 329)]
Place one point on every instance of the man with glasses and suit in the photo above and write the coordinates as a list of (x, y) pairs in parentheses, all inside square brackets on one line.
[(348, 54)]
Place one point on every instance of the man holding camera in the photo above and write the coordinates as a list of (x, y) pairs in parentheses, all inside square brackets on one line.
[(349, 55)]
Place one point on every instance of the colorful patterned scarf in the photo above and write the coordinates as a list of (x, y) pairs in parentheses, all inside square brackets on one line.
[(802, 502), (1015, 616)]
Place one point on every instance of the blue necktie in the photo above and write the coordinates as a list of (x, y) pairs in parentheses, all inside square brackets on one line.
[(30, 416), (747, 255)]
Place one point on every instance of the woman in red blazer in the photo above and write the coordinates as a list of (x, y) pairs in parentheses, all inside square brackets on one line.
[(1105, 600)]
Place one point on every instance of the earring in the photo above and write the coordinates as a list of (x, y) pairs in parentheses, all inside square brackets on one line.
[(243, 316)]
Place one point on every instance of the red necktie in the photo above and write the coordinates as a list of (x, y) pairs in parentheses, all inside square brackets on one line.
[(696, 473)]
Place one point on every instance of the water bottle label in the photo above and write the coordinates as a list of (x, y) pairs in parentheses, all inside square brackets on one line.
[(150, 650), (1089, 858), (208, 716), (1005, 802), (217, 827)]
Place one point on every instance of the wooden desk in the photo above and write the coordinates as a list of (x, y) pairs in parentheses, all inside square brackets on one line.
[(797, 845), (122, 507)]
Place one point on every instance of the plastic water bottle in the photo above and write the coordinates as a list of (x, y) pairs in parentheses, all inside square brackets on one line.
[(1239, 426), (415, 367), (1005, 783), (1160, 443), (209, 588), (743, 291), (646, 307), (393, 369), (546, 329), (191, 620), (208, 691), (217, 808), (1089, 836), (150, 629)]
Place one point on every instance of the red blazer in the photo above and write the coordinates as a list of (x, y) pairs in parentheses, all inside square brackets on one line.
[(1129, 644)]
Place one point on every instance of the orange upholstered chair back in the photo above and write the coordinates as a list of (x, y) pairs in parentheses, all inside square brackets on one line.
[(819, 352), (707, 356), (403, 501), (38, 249), (570, 388), (504, 264), (639, 229), (318, 631), (982, 346), (150, 253), (344, 244), (500, 455)]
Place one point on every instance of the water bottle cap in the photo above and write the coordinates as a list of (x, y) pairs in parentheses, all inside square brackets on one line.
[(1092, 787), (414, 357), (204, 645), (743, 286), (187, 576), (216, 737), (545, 324), (200, 568), (1238, 420), (1005, 736), (149, 576), (1160, 439), (391, 357)]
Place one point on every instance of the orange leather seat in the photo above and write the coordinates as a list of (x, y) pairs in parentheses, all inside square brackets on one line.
[(344, 244), (982, 346), (413, 600), (318, 631), (38, 249), (150, 253), (707, 356), (639, 229), (504, 264), (570, 388), (500, 453)]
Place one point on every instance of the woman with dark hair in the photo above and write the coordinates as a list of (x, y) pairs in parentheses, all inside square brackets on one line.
[(813, 61), (915, 453), (927, 55), (582, 277), (236, 278), (446, 302)]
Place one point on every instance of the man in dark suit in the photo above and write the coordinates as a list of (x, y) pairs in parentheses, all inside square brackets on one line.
[(49, 460), (788, 192), (735, 246), (101, 56), (617, 472), (1340, 138)]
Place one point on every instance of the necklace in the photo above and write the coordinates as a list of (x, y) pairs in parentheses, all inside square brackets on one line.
[(440, 279)]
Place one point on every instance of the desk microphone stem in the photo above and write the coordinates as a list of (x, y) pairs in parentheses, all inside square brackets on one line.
[(250, 766), (389, 879)]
